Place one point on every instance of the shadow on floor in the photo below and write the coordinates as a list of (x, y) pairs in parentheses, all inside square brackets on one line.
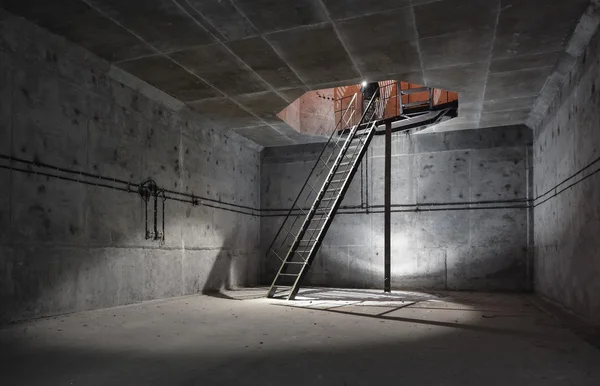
[(463, 355), (212, 342), (219, 277), (323, 294), (385, 316)]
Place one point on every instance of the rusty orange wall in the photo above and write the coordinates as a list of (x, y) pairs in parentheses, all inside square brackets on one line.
[(312, 113), (291, 114), (316, 112), (388, 94), (416, 97), (440, 96), (343, 97)]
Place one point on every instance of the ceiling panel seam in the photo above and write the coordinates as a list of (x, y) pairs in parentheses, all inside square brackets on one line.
[(159, 53), (373, 13), (339, 37), (156, 50), (138, 58), (269, 43), (487, 78), (269, 86), (203, 18), (522, 69), (418, 42)]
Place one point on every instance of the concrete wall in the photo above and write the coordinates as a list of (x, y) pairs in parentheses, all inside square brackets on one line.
[(567, 190), (460, 218), (66, 246)]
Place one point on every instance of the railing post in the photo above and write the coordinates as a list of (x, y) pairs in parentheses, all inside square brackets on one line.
[(430, 98)]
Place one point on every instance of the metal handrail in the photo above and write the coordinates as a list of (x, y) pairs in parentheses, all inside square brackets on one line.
[(380, 105), (313, 169), (308, 178), (352, 157), (329, 193), (309, 217), (302, 190)]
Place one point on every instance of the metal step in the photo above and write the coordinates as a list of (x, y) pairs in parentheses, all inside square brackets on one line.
[(413, 104), (288, 274), (353, 151), (414, 90), (294, 262), (350, 160), (284, 288), (341, 172), (360, 133), (356, 141), (303, 250), (317, 221)]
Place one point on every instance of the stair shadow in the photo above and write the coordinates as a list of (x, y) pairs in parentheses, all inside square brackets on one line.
[(325, 294), (385, 317)]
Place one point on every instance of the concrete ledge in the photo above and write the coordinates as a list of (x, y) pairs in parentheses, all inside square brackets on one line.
[(502, 136)]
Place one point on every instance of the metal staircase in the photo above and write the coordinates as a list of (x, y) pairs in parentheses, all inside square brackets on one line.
[(346, 152), (303, 229)]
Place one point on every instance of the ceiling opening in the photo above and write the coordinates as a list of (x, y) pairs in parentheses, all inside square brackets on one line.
[(317, 112)]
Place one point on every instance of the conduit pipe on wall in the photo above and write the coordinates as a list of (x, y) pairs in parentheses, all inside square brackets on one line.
[(46, 170)]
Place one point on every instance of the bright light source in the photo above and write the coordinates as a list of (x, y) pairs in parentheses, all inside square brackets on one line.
[(364, 83)]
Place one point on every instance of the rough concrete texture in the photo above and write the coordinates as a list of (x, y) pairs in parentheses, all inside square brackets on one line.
[(586, 28), (245, 58), (327, 338), (567, 190), (459, 212), (65, 246)]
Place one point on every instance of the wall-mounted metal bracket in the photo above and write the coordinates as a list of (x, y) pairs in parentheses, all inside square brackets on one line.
[(149, 190)]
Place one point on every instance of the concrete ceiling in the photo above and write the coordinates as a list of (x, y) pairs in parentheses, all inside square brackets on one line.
[(239, 62)]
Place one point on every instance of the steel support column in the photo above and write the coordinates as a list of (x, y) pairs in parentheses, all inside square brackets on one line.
[(388, 207)]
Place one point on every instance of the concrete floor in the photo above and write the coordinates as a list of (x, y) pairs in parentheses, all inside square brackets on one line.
[(327, 337)]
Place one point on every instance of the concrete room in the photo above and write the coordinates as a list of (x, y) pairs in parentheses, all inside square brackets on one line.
[(152, 152)]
